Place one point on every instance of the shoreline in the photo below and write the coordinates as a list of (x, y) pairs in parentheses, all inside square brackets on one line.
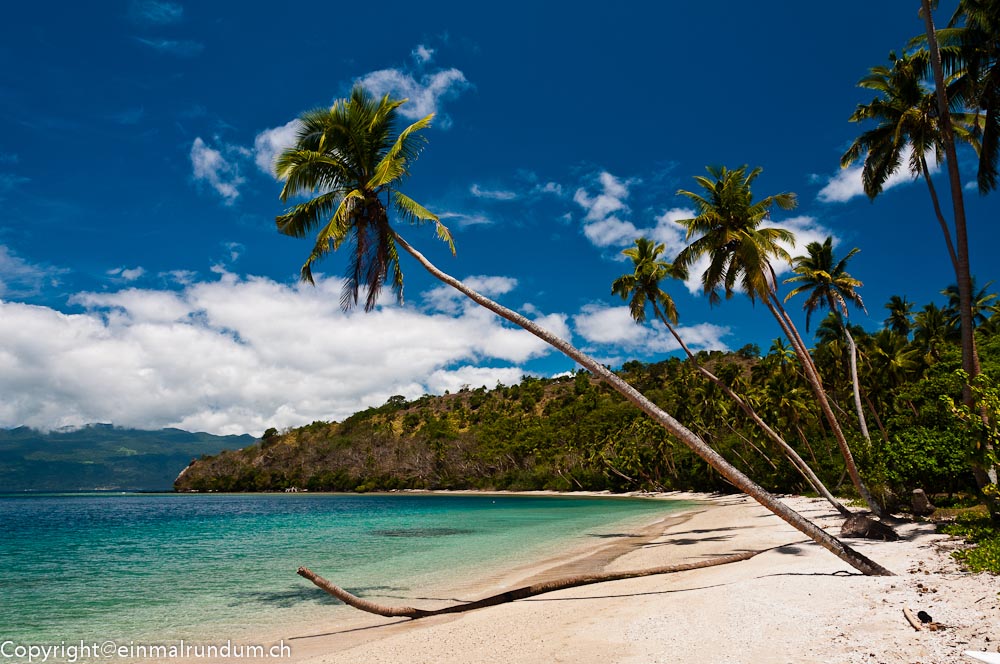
[(794, 603)]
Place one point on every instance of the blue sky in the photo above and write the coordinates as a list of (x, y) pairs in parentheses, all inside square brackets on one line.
[(142, 281)]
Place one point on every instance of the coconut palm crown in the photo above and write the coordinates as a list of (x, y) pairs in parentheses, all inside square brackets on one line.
[(827, 285), (351, 159), (642, 287), (728, 229)]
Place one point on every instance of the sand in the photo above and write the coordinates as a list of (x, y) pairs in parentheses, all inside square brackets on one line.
[(797, 603)]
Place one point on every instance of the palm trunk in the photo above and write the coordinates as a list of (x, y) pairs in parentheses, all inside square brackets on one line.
[(855, 384), (679, 431), (797, 461), (985, 475), (939, 215), (878, 420), (812, 376)]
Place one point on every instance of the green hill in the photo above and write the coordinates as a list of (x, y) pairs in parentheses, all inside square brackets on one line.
[(574, 433), (101, 456), (566, 433)]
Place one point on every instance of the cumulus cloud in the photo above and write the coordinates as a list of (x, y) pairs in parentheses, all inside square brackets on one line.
[(222, 174), (426, 94), (847, 183), (601, 223), (446, 299), (242, 354), (604, 325), (269, 143)]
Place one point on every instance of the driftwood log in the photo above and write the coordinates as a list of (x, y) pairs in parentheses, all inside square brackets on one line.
[(516, 594)]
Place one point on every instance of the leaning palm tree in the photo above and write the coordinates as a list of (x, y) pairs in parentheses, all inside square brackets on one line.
[(349, 157), (642, 289), (728, 229), (830, 287)]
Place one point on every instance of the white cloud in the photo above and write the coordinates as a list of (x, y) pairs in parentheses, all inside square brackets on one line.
[(242, 354), (609, 325), (181, 277), (448, 300), (463, 220), (670, 233), (211, 166), (550, 188), (423, 54), (848, 184), (269, 143), (600, 324), (610, 199), (601, 223), (426, 95), (611, 232), (494, 194), (127, 274)]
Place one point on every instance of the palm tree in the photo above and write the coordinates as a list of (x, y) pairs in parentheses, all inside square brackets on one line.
[(899, 320), (890, 361), (974, 51), (728, 230), (906, 116), (830, 287), (941, 129), (970, 362), (983, 69), (981, 303), (933, 327), (641, 288), (346, 156)]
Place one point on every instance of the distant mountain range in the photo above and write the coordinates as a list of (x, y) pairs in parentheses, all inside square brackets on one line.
[(102, 457)]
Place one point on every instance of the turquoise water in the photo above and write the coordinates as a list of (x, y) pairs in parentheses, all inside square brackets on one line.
[(169, 566)]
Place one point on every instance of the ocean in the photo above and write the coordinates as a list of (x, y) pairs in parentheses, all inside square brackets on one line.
[(200, 567)]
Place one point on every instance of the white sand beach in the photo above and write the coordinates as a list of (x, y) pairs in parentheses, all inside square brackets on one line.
[(797, 603)]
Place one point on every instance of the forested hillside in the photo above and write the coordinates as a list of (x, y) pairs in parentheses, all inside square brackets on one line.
[(573, 433)]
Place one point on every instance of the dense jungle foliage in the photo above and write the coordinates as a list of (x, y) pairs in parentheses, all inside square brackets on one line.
[(573, 433)]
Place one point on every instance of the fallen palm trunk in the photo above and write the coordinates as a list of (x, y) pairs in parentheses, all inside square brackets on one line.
[(516, 594)]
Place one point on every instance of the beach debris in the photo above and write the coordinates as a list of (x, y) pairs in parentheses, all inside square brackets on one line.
[(983, 656), (924, 617), (912, 619), (512, 595), (862, 525), (920, 504)]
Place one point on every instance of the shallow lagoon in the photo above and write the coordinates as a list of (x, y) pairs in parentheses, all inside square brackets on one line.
[(203, 566)]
